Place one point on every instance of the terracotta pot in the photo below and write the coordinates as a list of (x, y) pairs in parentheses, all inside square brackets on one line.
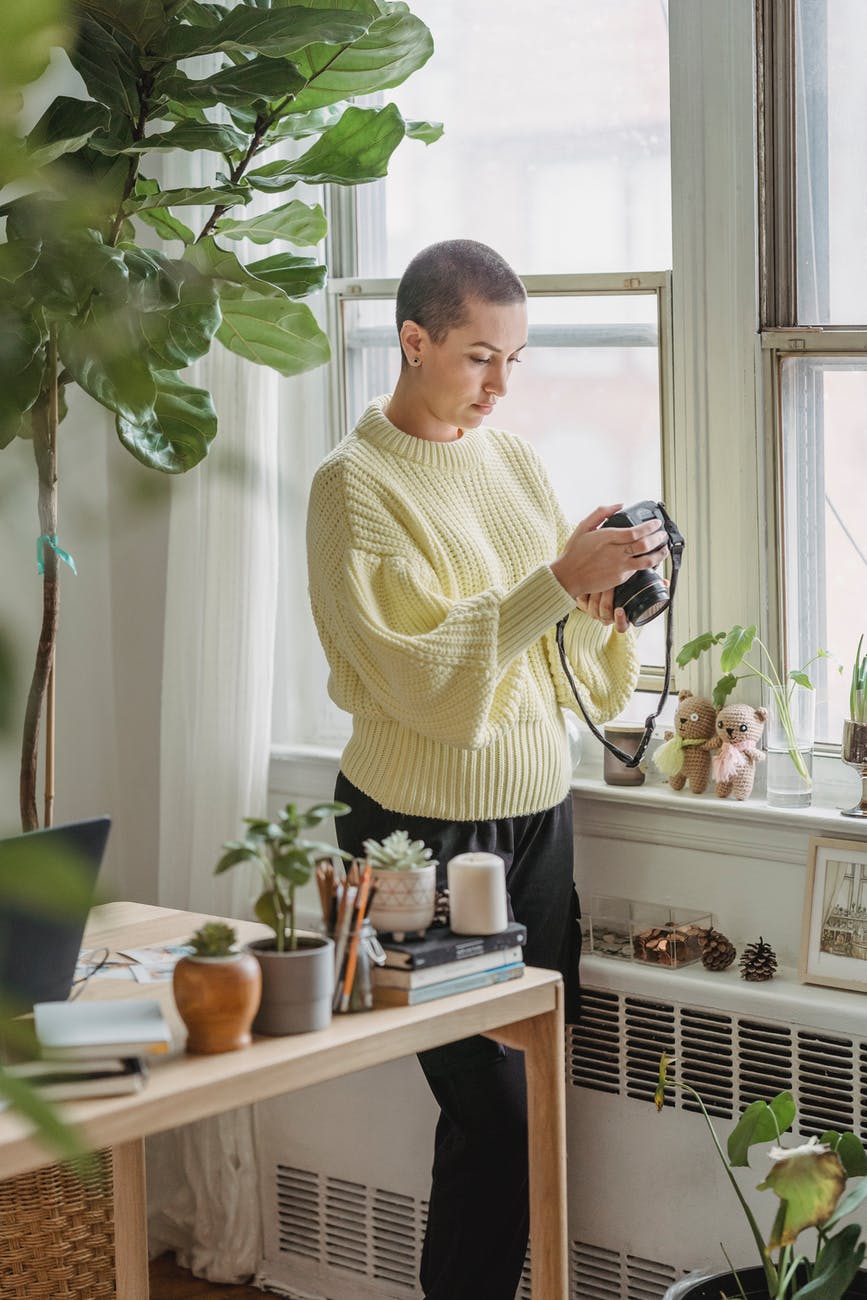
[(217, 998), (751, 1279), (297, 986), (404, 902)]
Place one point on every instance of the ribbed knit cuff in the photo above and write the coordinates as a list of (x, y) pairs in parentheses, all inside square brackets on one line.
[(529, 610)]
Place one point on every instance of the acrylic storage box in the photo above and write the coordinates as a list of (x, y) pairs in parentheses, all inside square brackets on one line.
[(667, 936), (610, 926)]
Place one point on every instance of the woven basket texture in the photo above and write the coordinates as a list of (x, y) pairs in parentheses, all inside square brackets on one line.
[(57, 1234)]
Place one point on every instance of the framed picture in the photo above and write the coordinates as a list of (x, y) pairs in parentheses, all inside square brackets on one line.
[(834, 931)]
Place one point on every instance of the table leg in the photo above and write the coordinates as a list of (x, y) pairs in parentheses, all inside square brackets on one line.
[(541, 1038), (130, 1221)]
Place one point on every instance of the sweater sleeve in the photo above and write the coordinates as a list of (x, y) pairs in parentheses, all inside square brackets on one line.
[(441, 666)]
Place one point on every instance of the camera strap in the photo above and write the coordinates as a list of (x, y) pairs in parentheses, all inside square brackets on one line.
[(632, 760)]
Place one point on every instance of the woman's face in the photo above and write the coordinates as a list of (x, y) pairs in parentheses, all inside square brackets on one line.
[(461, 378)]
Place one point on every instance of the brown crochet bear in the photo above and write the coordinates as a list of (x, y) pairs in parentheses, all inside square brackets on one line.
[(739, 729), (683, 756)]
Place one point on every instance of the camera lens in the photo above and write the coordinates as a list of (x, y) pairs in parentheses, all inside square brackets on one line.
[(642, 597)]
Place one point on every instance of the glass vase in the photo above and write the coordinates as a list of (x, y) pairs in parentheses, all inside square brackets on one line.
[(789, 733)]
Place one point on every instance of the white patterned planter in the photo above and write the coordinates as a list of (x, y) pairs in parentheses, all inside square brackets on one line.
[(405, 901)]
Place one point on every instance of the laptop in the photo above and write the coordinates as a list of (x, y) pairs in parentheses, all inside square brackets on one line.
[(47, 883)]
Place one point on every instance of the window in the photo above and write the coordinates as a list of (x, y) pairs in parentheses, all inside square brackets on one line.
[(817, 361)]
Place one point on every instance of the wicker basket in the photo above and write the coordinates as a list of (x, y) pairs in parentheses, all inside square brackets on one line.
[(57, 1234)]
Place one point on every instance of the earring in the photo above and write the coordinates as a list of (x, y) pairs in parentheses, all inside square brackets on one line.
[(416, 361)]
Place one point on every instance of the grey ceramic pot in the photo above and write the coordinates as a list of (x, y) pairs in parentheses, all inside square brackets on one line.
[(297, 986)]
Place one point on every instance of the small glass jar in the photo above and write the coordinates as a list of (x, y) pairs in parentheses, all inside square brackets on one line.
[(626, 738), (368, 953)]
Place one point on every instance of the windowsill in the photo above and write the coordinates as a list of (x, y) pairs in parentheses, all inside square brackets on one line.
[(308, 771)]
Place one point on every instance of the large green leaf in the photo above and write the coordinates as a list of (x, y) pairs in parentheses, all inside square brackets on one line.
[(837, 1263), (297, 222), (209, 258), (810, 1185), (178, 432), (291, 125), (281, 334), (738, 643), (427, 132), (255, 81), (105, 61), (263, 31), (18, 256), (21, 367), (355, 150), (28, 31), (71, 270), (107, 362), (166, 225), (142, 21), (697, 647), (226, 196), (396, 45), (192, 136), (760, 1122), (64, 127), (178, 334), (296, 276)]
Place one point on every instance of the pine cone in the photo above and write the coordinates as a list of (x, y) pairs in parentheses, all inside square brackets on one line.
[(441, 911), (759, 961), (717, 952)]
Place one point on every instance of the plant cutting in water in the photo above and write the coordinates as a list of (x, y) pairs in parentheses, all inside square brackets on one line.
[(858, 689), (738, 642), (810, 1181)]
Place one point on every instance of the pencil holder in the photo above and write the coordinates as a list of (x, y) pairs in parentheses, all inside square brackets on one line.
[(354, 983)]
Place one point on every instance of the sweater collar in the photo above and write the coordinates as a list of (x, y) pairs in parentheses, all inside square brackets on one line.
[(375, 427)]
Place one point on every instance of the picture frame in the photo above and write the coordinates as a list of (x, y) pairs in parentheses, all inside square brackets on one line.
[(834, 927)]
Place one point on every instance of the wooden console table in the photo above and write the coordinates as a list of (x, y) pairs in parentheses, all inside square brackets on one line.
[(525, 1013)]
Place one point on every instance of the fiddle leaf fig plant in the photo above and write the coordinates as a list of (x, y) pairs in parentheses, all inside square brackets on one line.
[(112, 281), (285, 860)]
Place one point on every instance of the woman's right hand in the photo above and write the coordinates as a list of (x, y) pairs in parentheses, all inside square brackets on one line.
[(596, 559)]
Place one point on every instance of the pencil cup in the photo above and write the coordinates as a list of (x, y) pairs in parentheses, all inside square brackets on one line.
[(354, 987), (477, 894)]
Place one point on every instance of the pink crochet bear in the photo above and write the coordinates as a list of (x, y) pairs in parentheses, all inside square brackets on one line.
[(739, 729)]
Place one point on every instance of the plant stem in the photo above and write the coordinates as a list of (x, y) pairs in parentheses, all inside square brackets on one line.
[(783, 698), (44, 424), (144, 87)]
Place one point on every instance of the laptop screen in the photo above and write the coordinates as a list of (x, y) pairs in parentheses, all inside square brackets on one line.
[(47, 881)]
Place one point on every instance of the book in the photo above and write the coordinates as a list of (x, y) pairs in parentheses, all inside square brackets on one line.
[(123, 1027), (389, 977), (69, 1080), (410, 997), (440, 946)]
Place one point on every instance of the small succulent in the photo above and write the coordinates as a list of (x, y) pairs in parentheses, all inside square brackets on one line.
[(214, 939), (397, 852)]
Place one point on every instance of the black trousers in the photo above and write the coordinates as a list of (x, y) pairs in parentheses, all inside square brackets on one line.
[(478, 1218)]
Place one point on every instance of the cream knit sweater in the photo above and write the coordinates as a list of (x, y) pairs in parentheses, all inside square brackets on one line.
[(433, 597)]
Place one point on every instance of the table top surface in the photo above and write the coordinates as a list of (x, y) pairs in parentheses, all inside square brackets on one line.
[(185, 1088)]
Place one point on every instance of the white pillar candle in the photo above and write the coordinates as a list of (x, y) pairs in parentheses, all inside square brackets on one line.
[(477, 893)]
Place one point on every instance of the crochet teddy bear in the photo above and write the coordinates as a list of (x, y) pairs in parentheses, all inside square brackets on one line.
[(739, 729), (683, 756)]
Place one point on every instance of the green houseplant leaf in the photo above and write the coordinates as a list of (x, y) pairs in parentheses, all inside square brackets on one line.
[(760, 1122), (176, 434), (281, 334), (277, 32), (738, 643), (254, 82), (296, 222), (296, 276), (64, 127), (353, 151)]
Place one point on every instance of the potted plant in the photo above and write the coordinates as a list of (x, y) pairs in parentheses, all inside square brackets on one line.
[(297, 969), (107, 284), (217, 988), (854, 751), (810, 1181), (790, 702), (404, 875)]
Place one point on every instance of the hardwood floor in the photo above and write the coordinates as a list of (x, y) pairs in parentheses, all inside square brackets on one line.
[(169, 1282)]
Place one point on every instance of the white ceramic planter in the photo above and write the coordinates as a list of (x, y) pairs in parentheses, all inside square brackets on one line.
[(405, 901)]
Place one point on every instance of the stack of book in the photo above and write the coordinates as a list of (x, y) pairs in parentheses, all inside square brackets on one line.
[(94, 1049), (443, 963)]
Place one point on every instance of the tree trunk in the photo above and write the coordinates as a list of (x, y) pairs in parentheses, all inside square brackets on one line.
[(44, 421)]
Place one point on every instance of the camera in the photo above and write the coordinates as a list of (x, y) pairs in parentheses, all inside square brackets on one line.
[(644, 596)]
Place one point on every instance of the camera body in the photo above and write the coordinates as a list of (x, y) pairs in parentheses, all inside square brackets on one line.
[(644, 595)]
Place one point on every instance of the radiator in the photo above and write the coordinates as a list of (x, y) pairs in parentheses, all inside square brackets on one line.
[(344, 1168)]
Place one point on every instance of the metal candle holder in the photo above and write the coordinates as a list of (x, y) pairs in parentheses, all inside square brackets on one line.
[(854, 752)]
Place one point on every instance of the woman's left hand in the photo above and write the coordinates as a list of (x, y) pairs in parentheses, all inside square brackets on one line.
[(600, 605)]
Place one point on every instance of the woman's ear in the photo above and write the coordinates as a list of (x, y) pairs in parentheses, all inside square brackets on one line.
[(414, 339)]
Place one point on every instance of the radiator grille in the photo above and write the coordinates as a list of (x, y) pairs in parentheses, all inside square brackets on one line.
[(345, 1209), (298, 1211), (646, 1279), (595, 1272), (395, 1238), (731, 1061)]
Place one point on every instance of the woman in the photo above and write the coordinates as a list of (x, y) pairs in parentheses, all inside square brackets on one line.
[(439, 565)]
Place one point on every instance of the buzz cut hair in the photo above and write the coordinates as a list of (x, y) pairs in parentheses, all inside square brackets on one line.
[(442, 279)]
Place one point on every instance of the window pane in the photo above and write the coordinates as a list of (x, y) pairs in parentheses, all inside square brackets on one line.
[(831, 168), (556, 144), (586, 394), (825, 525)]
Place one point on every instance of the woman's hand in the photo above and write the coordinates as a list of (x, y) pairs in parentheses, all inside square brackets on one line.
[(600, 605), (595, 560)]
